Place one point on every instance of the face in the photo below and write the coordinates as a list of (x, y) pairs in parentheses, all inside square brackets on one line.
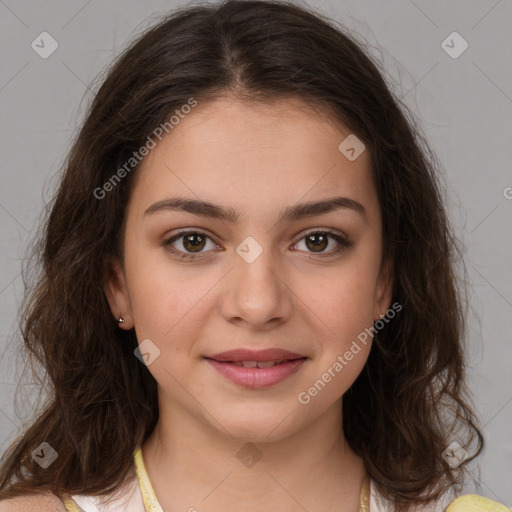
[(268, 274)]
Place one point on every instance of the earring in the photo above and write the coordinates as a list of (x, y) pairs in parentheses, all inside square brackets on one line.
[(121, 320)]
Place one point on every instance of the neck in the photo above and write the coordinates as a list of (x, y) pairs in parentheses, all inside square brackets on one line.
[(192, 466)]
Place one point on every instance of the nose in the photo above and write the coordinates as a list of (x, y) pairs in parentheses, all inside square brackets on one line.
[(256, 292)]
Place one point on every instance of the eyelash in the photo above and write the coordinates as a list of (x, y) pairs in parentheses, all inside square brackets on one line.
[(343, 243)]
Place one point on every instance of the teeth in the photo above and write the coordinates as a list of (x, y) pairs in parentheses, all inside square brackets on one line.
[(259, 364), (266, 364)]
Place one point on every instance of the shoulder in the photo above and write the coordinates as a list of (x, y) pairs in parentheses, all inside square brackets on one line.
[(475, 503), (447, 503), (41, 502)]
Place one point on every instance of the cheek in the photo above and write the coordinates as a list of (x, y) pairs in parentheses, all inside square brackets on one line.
[(168, 300), (344, 299), (348, 314), (154, 286), (343, 338), (164, 306)]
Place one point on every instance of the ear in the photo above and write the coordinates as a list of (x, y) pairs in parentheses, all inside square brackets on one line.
[(383, 290), (117, 294)]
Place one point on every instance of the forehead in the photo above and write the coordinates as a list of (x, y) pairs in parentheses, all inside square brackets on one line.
[(254, 154)]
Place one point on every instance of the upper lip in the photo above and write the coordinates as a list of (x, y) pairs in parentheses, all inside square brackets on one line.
[(242, 354)]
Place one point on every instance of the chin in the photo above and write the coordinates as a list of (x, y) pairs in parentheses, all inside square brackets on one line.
[(258, 428)]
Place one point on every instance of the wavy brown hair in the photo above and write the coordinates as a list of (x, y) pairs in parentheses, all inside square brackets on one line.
[(410, 399)]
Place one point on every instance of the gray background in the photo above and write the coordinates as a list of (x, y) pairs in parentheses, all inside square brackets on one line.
[(464, 103)]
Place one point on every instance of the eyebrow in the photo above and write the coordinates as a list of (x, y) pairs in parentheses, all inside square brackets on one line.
[(291, 213)]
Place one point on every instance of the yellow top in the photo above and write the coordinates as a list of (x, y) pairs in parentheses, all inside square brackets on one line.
[(475, 503), (148, 494), (467, 503)]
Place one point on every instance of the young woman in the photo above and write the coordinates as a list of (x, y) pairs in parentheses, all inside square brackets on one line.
[(248, 297)]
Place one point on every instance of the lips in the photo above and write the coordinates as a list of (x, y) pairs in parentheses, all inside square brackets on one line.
[(270, 354), (257, 364), (257, 368)]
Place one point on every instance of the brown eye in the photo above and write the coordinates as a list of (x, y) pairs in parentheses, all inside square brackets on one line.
[(317, 242), (187, 244), (194, 242), (323, 242)]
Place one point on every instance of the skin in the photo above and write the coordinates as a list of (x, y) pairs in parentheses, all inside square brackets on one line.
[(256, 159)]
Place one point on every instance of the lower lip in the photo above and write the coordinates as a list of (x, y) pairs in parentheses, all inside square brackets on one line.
[(258, 377)]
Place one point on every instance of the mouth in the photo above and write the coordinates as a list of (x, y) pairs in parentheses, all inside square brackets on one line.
[(251, 356), (257, 374), (257, 364)]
